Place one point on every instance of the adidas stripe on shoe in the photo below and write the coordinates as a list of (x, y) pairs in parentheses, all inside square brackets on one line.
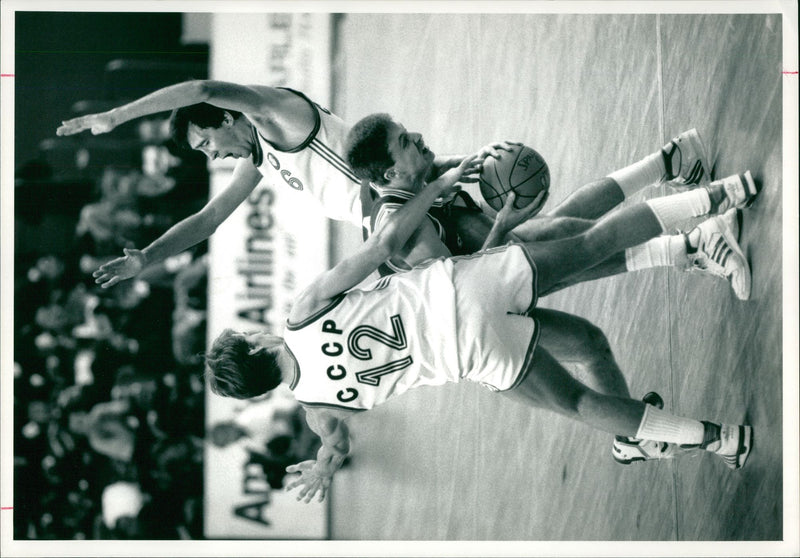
[(737, 190), (685, 159), (718, 252)]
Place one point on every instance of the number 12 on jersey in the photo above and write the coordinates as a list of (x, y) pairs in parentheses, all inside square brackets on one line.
[(394, 340)]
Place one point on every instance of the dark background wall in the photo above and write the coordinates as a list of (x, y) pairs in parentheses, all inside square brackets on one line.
[(61, 56)]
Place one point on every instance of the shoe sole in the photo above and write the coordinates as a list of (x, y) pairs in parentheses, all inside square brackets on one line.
[(728, 235), (743, 452), (752, 189), (698, 175), (700, 170), (733, 221)]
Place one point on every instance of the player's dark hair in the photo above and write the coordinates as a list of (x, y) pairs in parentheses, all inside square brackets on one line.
[(233, 372), (367, 150), (201, 115)]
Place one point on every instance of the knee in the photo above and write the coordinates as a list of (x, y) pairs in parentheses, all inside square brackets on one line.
[(596, 339)]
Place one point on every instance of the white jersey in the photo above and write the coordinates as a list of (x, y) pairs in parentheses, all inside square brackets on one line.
[(316, 166), (374, 343)]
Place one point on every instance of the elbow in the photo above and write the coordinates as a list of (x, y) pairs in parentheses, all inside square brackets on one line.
[(385, 248), (387, 242)]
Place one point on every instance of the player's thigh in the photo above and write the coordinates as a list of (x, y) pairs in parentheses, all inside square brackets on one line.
[(547, 384), (568, 337), (545, 228)]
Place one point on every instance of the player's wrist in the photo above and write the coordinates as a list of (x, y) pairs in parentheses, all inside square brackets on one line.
[(115, 116)]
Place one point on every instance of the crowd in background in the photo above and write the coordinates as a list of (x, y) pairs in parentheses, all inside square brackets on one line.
[(109, 393), (108, 383)]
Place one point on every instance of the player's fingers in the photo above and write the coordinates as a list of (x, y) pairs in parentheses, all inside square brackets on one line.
[(512, 196), (468, 160), (538, 203), (299, 467), (111, 282)]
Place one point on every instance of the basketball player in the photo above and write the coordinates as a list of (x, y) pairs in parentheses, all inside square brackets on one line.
[(346, 350), (280, 133), (276, 133), (397, 162)]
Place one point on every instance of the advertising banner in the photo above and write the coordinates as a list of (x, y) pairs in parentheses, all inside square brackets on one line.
[(272, 246)]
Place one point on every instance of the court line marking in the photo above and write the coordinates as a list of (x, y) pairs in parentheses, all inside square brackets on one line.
[(662, 134)]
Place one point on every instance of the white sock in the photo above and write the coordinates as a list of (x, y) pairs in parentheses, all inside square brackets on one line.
[(643, 173), (663, 251), (661, 426), (677, 208)]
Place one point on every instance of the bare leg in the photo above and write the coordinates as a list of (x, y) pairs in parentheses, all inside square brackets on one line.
[(580, 345), (557, 228), (590, 201), (549, 385), (559, 259)]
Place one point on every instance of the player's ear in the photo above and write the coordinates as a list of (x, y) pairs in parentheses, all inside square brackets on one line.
[(227, 119), (391, 173)]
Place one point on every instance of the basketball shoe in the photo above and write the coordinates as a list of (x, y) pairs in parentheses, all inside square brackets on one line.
[(626, 450), (732, 442), (685, 159), (717, 252), (738, 190)]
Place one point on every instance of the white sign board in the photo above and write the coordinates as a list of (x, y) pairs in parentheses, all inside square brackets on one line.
[(272, 246)]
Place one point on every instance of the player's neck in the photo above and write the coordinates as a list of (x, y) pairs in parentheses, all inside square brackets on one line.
[(287, 364), (407, 183)]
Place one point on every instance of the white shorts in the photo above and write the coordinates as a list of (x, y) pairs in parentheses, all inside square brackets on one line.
[(496, 293)]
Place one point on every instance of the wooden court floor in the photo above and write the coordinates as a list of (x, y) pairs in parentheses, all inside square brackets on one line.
[(592, 94)]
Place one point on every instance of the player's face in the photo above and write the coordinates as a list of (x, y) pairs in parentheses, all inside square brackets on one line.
[(228, 140), (412, 158)]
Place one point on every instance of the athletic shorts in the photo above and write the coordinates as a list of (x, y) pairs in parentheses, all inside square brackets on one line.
[(496, 294)]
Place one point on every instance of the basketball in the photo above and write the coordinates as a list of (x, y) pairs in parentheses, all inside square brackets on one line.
[(522, 170)]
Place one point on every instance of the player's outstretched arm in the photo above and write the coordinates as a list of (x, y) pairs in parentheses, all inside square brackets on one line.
[(509, 217), (379, 247), (226, 95), (185, 234), (442, 163), (316, 476)]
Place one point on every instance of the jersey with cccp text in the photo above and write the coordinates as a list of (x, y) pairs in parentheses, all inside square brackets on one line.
[(372, 343), (446, 320)]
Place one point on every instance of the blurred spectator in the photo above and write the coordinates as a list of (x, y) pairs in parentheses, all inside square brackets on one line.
[(122, 502), (108, 390)]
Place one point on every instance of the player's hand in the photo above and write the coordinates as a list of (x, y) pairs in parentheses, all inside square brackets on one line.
[(490, 150), (313, 480), (493, 149), (447, 182), (98, 123), (510, 217), (119, 269)]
